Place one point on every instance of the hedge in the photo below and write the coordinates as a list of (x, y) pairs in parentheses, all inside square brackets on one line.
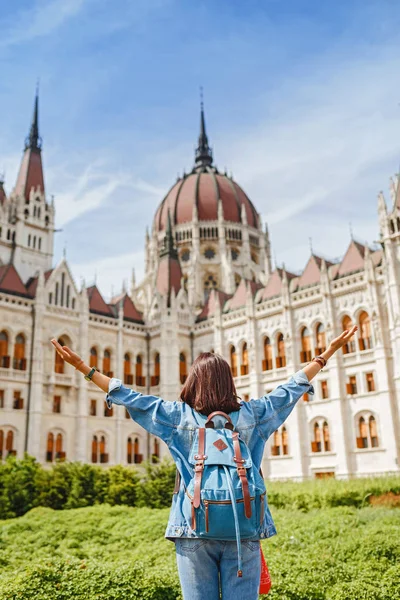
[(25, 484)]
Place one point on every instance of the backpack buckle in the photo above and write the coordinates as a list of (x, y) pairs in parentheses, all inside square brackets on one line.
[(200, 456), (238, 460)]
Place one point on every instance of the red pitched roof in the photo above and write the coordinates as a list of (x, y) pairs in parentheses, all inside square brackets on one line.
[(130, 311), (239, 298), (353, 260), (211, 304), (31, 284), (274, 284), (30, 173), (11, 282), (97, 303), (169, 275)]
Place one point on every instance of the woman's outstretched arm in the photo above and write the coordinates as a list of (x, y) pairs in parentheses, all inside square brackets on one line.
[(157, 416), (313, 367), (273, 409)]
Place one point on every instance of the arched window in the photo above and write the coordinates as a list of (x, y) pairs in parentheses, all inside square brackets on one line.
[(267, 361), (19, 361), (316, 443), (321, 339), (244, 367), (276, 447), (60, 454), (321, 438), (373, 432), (367, 433), (281, 352), (365, 339), (285, 441), (7, 443), (50, 447), (350, 346), (157, 369), (136, 451), (95, 449), (129, 457), (59, 364), (182, 367), (93, 361), (155, 457), (233, 357), (133, 451), (305, 353), (325, 435), (139, 371), (280, 446), (128, 377), (102, 448), (107, 363), (4, 356)]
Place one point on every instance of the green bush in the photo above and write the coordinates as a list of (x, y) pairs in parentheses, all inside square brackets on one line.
[(330, 492), (157, 486), (25, 484)]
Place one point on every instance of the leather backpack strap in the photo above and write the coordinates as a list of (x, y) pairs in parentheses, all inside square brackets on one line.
[(210, 424), (242, 474), (199, 467), (177, 482)]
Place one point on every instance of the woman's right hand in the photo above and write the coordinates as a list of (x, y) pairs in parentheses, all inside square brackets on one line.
[(67, 354)]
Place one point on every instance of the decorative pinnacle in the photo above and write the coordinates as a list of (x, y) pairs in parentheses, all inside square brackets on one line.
[(169, 247), (203, 157), (34, 141)]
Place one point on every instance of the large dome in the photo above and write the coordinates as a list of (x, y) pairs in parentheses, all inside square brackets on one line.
[(202, 188)]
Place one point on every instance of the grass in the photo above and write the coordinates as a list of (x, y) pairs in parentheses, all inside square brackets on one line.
[(119, 552)]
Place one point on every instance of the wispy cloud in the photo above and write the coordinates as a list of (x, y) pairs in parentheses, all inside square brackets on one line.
[(44, 18), (110, 274), (90, 187)]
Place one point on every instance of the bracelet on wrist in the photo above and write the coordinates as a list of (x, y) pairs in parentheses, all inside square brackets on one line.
[(89, 376), (320, 360)]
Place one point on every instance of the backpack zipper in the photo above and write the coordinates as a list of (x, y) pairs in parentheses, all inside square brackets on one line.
[(226, 501), (207, 502)]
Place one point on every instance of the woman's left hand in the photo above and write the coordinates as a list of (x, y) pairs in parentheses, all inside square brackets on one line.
[(342, 339), (67, 354)]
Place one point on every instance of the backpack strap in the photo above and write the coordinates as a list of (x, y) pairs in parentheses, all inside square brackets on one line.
[(199, 467), (177, 482), (242, 474), (228, 424)]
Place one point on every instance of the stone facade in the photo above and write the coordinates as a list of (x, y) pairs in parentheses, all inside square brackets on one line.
[(208, 286)]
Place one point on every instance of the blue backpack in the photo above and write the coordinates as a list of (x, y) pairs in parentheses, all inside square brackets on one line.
[(225, 498)]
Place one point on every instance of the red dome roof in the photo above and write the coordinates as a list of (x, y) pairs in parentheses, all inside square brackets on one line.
[(203, 188)]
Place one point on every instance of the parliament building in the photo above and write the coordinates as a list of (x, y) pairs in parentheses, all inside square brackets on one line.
[(208, 286)]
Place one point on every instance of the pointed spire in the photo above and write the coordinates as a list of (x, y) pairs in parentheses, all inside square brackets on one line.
[(203, 157), (34, 141), (168, 248)]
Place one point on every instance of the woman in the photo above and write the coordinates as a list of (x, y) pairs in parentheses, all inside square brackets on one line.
[(206, 566)]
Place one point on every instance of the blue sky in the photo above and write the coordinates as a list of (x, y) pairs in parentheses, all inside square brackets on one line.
[(302, 105)]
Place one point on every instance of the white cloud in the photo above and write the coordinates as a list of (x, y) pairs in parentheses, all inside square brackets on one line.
[(110, 273), (319, 163), (42, 19)]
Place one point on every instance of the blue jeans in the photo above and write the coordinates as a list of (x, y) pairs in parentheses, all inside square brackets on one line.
[(208, 569)]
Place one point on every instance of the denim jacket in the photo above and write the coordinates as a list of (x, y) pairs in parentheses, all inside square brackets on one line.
[(175, 423)]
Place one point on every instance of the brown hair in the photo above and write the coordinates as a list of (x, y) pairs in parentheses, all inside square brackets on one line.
[(210, 386)]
